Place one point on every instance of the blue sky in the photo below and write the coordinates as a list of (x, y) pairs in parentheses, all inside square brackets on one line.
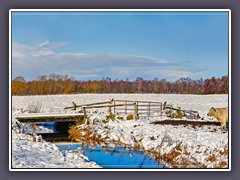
[(92, 45)]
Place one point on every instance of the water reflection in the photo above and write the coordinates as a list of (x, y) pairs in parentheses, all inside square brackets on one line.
[(49, 125), (114, 157)]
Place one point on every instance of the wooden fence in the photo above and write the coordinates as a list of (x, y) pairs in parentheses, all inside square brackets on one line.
[(136, 108), (142, 108)]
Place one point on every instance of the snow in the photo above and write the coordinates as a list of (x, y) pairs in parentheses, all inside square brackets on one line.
[(31, 151), (197, 144), (56, 103), (201, 143)]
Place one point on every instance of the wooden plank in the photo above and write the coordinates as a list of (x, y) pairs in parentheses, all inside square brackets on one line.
[(147, 105), (152, 109), (116, 105), (84, 114), (138, 101), (91, 104), (47, 120), (61, 116)]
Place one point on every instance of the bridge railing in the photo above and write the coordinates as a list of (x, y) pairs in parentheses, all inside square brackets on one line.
[(144, 108), (137, 108)]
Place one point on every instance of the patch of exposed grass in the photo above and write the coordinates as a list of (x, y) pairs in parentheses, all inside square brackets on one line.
[(130, 117), (79, 121), (169, 157), (74, 133), (212, 159), (120, 118), (179, 114), (110, 116), (222, 164), (87, 135), (137, 146), (224, 152)]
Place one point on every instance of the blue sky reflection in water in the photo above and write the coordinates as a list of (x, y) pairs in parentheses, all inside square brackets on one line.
[(48, 125), (115, 157)]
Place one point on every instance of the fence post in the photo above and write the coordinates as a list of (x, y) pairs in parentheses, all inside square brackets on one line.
[(74, 106), (136, 110), (164, 105), (114, 103), (84, 114), (110, 108), (149, 109), (125, 107), (161, 109)]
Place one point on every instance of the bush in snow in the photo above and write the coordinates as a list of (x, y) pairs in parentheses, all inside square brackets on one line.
[(130, 117), (34, 107)]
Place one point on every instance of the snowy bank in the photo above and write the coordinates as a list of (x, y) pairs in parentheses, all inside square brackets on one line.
[(31, 151), (175, 146)]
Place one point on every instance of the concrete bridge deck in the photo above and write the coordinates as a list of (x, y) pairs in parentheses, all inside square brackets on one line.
[(40, 117)]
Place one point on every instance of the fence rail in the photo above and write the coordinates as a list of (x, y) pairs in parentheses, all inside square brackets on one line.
[(143, 107)]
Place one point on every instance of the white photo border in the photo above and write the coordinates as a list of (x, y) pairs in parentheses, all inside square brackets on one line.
[(117, 10)]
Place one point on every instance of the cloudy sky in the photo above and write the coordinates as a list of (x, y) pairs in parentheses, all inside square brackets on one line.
[(92, 45)]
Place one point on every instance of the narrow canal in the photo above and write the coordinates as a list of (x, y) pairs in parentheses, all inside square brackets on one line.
[(117, 157), (114, 157)]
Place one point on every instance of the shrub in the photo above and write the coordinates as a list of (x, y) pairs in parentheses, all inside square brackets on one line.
[(120, 118), (179, 114), (110, 116), (130, 117), (80, 121), (34, 107), (74, 133)]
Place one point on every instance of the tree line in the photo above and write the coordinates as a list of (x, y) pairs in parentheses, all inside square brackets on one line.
[(64, 84)]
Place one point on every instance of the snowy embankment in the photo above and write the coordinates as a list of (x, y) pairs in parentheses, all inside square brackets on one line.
[(175, 146), (31, 151)]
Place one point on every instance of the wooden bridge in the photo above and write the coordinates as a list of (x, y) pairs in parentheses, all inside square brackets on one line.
[(62, 123), (136, 108)]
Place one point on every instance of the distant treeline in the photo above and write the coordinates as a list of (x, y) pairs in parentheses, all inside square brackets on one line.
[(64, 84)]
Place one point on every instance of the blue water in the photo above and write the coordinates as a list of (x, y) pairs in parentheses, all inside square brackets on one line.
[(115, 157), (49, 125)]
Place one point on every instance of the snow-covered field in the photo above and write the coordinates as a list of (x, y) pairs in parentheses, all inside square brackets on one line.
[(186, 146), (56, 103)]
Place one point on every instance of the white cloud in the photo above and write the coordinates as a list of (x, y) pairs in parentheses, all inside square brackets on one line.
[(31, 61)]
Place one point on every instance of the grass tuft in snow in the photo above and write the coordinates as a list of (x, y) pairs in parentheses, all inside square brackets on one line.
[(34, 107), (74, 133), (130, 117)]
